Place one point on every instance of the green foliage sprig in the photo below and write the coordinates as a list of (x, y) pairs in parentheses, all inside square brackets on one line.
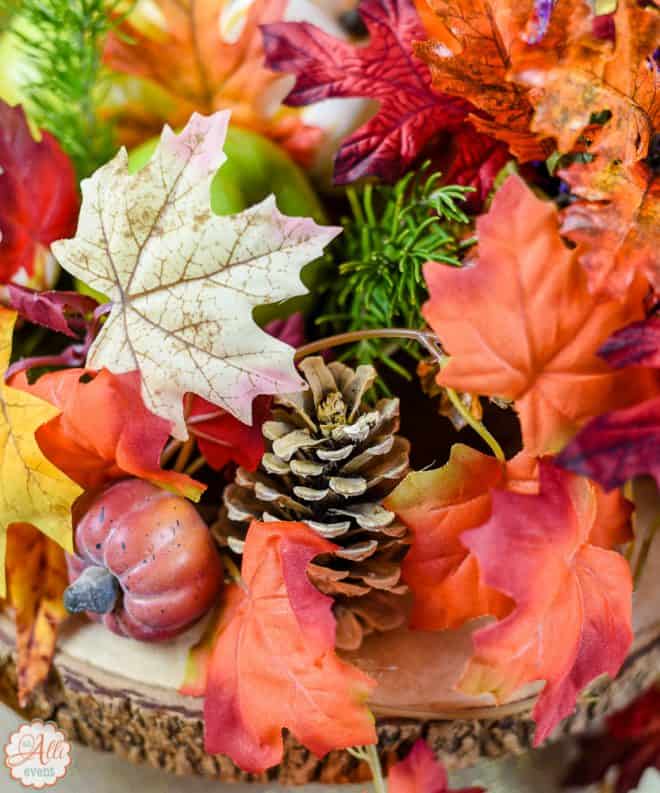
[(63, 40), (377, 278)]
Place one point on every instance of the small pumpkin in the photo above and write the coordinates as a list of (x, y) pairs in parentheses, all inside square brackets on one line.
[(145, 563)]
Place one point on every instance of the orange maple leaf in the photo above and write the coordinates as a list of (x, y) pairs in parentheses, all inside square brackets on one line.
[(518, 322), (588, 75), (476, 66), (36, 579), (572, 618), (439, 505), (201, 71), (274, 663)]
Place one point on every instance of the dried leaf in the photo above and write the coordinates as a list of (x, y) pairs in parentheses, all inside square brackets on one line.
[(486, 32), (36, 579), (103, 432), (274, 663), (587, 76), (410, 112), (33, 490), (563, 586), (38, 197), (421, 772), (183, 281), (438, 506), (205, 72), (615, 224), (517, 328)]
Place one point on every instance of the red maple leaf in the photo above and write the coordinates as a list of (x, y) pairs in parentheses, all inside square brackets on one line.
[(572, 618), (38, 196), (421, 772), (411, 113), (631, 741), (274, 664), (622, 444)]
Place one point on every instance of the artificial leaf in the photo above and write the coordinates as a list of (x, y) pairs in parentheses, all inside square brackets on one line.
[(410, 113), (421, 772), (617, 446), (205, 72), (476, 69), (222, 438), (517, 328), (472, 159), (615, 222), (274, 663), (637, 344), (38, 197), (36, 579), (562, 585), (62, 312), (183, 282), (438, 506), (587, 76), (103, 431), (33, 490), (631, 742)]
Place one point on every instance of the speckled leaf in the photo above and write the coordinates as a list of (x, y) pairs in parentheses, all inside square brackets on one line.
[(183, 281), (33, 490)]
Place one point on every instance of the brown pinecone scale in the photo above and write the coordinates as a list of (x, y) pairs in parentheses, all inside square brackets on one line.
[(330, 460)]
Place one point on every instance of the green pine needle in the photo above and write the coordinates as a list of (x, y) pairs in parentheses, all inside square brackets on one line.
[(63, 39), (377, 279)]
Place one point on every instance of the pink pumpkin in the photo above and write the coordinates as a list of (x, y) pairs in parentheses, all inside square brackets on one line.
[(145, 563)]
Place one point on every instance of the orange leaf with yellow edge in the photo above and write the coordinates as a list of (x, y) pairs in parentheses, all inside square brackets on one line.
[(33, 490), (588, 76), (518, 322), (104, 431), (36, 579), (476, 64), (200, 70), (573, 600), (615, 224), (274, 663), (438, 506)]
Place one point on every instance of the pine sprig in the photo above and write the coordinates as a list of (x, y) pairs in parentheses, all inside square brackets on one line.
[(377, 278), (63, 40)]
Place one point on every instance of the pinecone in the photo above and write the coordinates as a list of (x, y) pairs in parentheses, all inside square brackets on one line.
[(330, 461)]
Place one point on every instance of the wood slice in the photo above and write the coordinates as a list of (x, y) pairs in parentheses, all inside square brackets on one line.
[(155, 725)]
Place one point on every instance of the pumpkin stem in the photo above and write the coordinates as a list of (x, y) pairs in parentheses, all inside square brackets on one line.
[(95, 589)]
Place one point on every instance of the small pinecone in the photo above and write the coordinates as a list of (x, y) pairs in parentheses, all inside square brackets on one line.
[(330, 461)]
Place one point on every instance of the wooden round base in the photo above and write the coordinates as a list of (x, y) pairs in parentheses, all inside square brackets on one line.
[(147, 724)]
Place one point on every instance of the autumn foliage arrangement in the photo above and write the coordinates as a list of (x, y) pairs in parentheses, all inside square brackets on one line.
[(490, 237)]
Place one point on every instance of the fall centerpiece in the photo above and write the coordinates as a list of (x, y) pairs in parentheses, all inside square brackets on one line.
[(331, 403)]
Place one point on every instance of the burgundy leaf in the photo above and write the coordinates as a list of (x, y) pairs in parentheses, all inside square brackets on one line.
[(63, 312), (290, 330), (617, 446), (635, 345), (38, 194), (411, 113)]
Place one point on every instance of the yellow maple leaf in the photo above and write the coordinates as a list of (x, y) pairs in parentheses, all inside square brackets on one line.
[(36, 579), (33, 490)]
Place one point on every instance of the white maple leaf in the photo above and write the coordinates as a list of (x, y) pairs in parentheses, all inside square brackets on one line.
[(183, 281)]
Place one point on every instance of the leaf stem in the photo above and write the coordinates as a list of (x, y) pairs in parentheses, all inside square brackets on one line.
[(369, 755), (185, 453), (476, 425)]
